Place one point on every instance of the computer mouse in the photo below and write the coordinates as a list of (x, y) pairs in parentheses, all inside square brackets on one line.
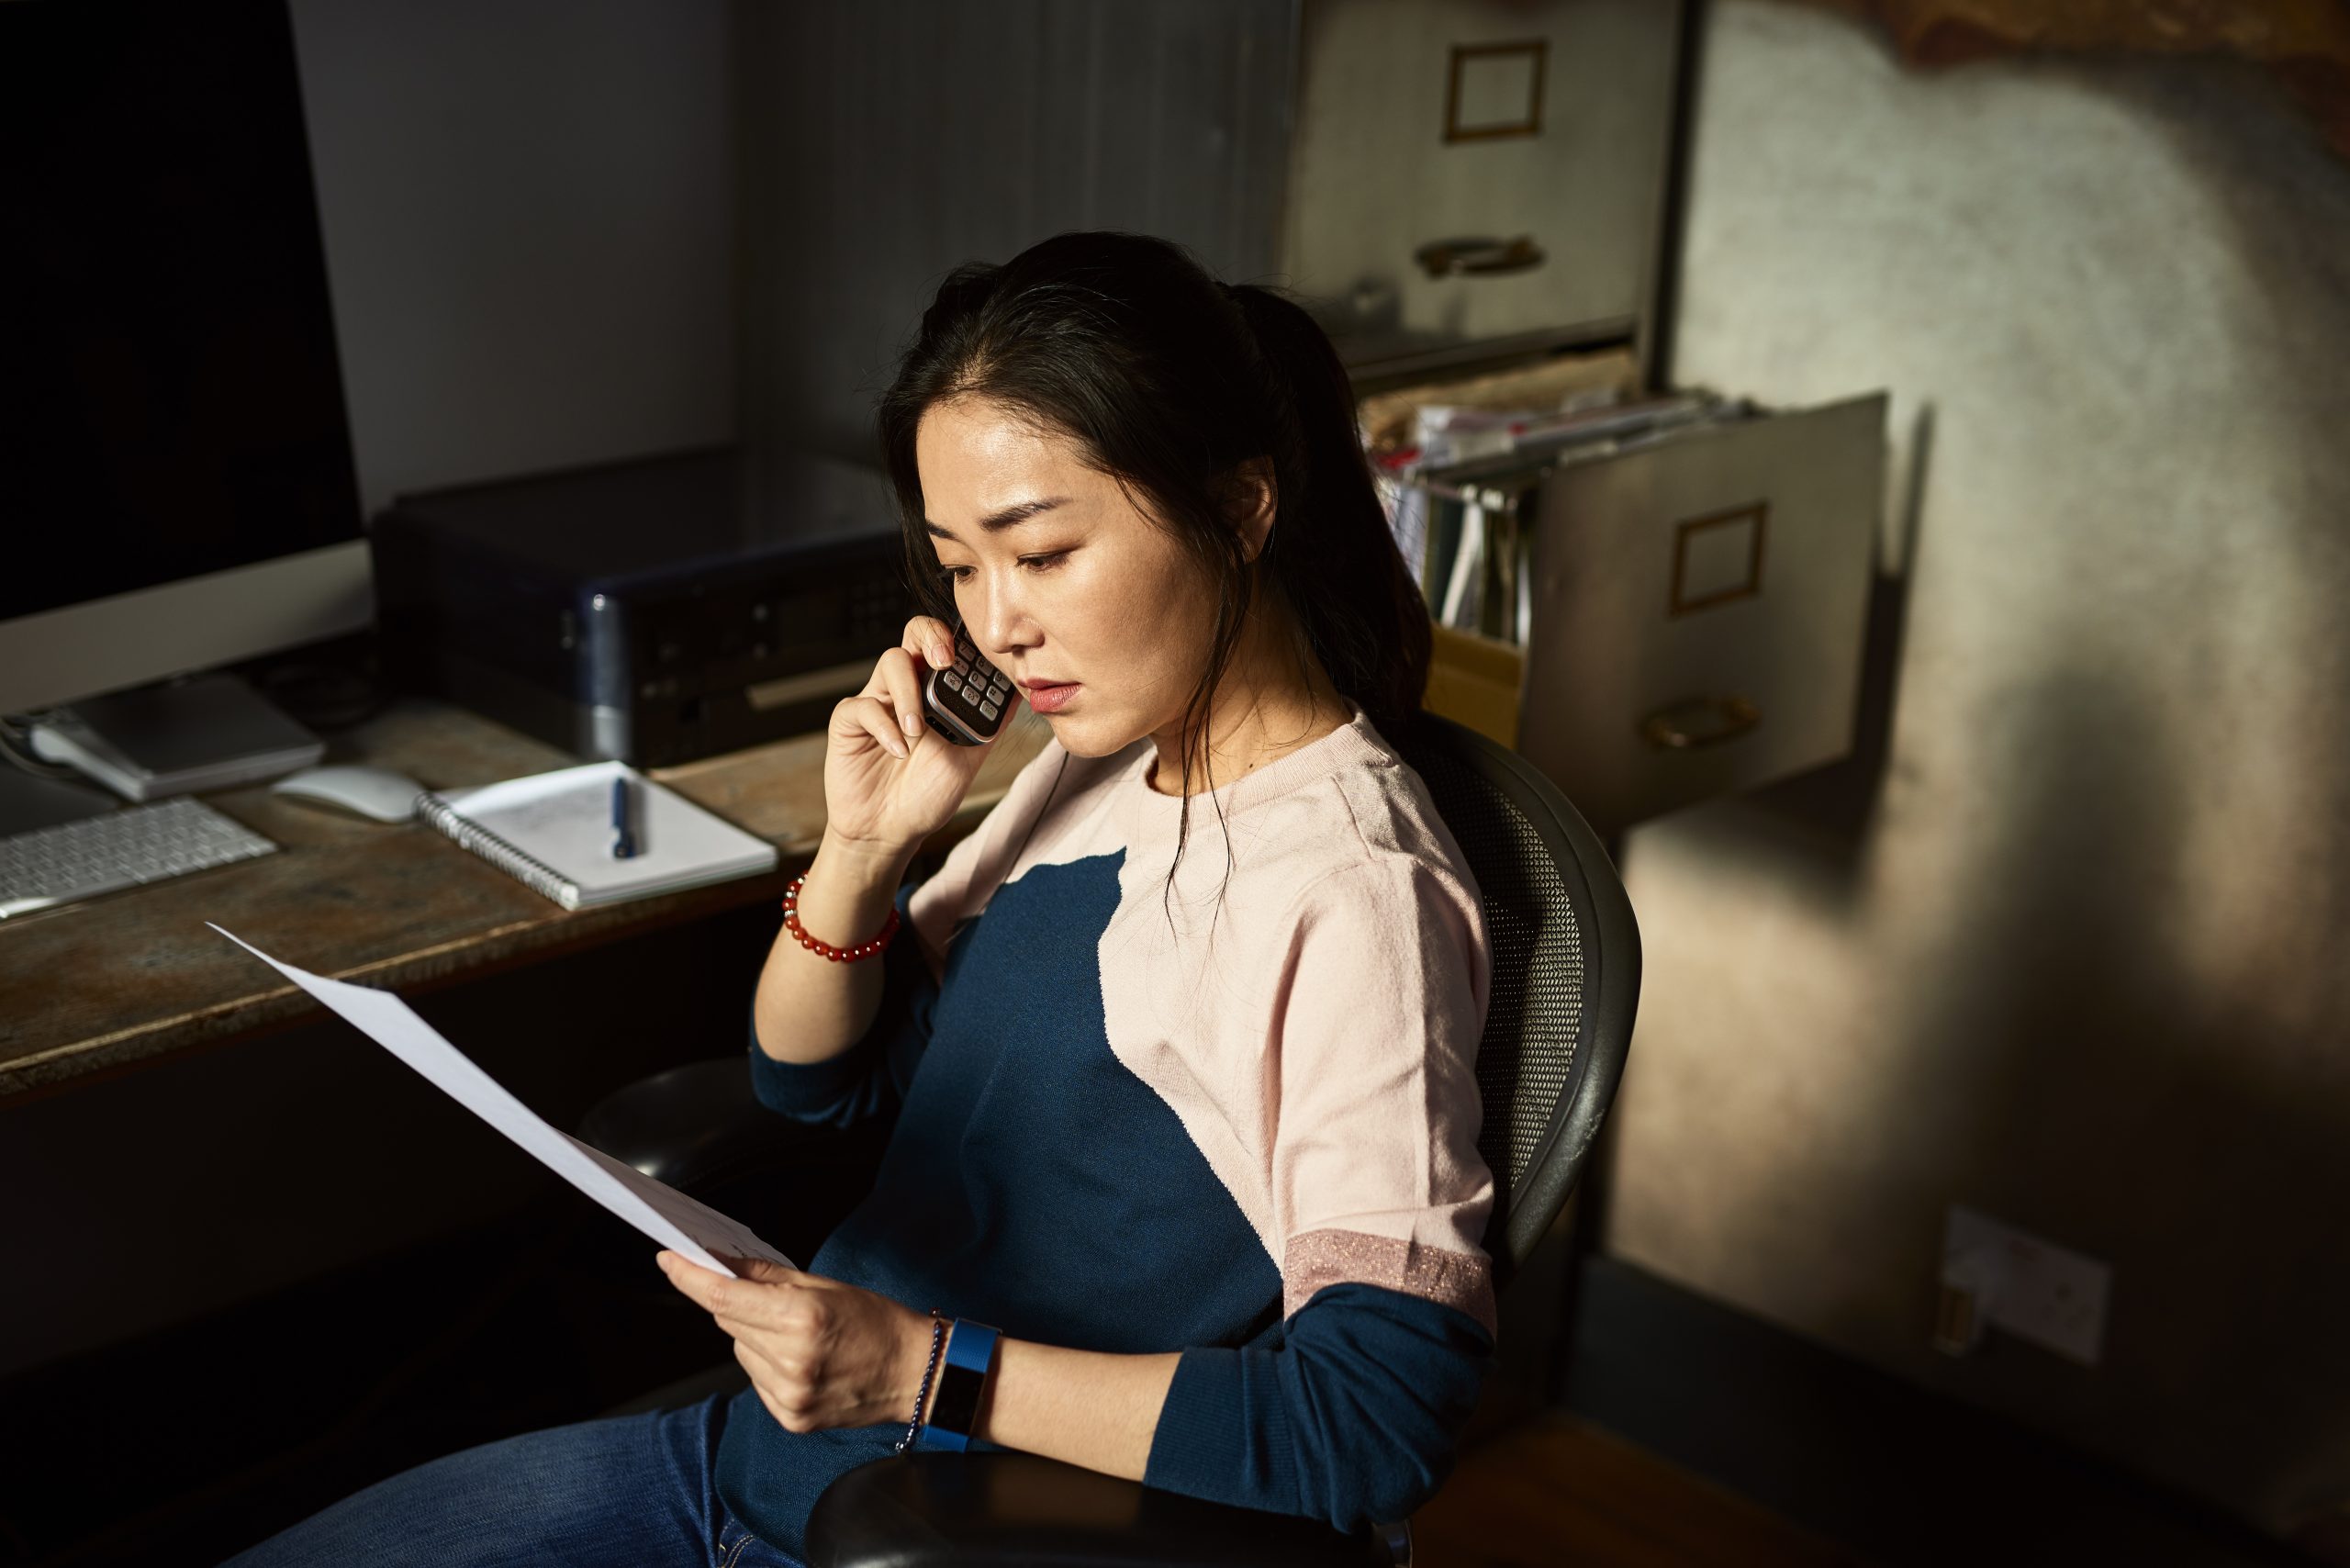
[(376, 792)]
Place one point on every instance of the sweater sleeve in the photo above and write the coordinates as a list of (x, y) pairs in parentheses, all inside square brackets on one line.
[(1380, 1198), (1350, 1419)]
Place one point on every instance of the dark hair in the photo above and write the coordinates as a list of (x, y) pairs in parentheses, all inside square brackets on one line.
[(1169, 381)]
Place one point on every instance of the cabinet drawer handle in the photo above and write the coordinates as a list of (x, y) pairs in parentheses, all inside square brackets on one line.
[(1482, 257), (1699, 721)]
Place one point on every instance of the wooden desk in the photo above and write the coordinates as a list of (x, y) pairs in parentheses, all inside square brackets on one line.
[(97, 987)]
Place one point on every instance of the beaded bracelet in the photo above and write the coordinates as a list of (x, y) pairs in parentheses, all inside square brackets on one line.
[(929, 1371), (816, 944)]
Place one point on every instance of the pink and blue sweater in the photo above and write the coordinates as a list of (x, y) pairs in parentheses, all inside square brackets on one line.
[(1236, 1119)]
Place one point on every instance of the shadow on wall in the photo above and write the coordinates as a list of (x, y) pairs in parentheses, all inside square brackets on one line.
[(2083, 1077), (2079, 1074), (2256, 1134)]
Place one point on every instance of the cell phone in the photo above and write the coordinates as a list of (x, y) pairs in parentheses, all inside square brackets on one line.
[(970, 702)]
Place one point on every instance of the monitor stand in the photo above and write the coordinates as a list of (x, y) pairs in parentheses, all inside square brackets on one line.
[(30, 802), (206, 732)]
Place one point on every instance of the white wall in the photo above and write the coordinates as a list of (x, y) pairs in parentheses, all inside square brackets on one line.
[(2078, 958), (528, 210)]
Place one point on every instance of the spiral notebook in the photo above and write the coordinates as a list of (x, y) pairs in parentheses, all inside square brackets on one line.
[(553, 833)]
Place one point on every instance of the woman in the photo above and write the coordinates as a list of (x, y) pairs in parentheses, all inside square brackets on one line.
[(1183, 1185)]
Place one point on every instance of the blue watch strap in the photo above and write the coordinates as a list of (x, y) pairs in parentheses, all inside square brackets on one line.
[(962, 1381)]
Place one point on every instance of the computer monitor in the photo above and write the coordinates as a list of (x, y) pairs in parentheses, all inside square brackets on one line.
[(177, 484)]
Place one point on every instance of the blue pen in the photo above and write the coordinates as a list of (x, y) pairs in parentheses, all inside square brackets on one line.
[(624, 842)]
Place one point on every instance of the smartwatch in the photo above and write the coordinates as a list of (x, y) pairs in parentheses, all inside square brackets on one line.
[(962, 1380)]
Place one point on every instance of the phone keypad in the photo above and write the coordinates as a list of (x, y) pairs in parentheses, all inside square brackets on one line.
[(983, 689)]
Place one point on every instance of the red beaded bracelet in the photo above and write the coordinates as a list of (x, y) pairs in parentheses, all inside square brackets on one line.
[(837, 955)]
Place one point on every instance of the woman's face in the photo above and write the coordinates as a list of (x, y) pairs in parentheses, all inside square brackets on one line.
[(1060, 578)]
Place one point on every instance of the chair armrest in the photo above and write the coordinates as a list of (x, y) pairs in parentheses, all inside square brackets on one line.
[(998, 1510), (700, 1126)]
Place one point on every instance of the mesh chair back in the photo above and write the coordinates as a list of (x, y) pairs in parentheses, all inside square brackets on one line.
[(1566, 973)]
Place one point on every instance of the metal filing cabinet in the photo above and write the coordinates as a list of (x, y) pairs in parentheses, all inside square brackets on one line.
[(1472, 178), (1682, 610), (1698, 607), (1475, 183)]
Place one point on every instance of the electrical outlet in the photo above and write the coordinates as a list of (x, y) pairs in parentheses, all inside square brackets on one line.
[(1995, 1276)]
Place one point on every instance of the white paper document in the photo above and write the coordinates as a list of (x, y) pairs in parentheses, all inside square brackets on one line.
[(659, 1209)]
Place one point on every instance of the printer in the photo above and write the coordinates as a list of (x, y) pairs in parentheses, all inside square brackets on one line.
[(655, 610)]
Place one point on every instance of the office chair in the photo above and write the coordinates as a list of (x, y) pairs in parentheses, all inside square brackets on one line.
[(1566, 970)]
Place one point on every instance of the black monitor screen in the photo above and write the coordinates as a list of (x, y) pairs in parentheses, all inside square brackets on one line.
[(170, 403)]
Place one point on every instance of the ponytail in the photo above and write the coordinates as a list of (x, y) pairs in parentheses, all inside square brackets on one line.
[(1358, 602)]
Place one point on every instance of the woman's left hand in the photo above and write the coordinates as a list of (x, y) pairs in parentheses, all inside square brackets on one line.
[(819, 1353)]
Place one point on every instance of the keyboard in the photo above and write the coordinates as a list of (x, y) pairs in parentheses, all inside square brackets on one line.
[(118, 849)]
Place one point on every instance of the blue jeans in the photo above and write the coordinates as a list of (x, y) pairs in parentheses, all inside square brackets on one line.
[(630, 1492)]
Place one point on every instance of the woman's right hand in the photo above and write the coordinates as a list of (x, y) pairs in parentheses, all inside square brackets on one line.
[(885, 790)]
